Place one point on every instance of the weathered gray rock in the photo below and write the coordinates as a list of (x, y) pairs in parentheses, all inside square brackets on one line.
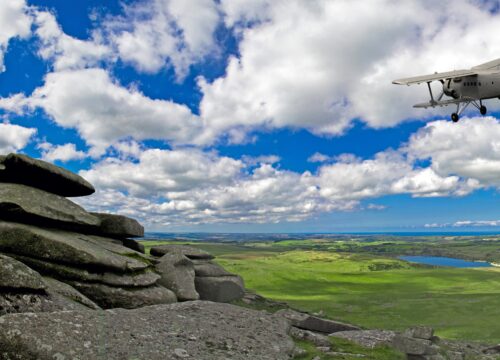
[(413, 346), (16, 275), (57, 287), (22, 203), (109, 297), (134, 245), (316, 339), (420, 332), (24, 290), (12, 302), (204, 268), (116, 246), (188, 251), (177, 274), (454, 355), (220, 289), (314, 323), (22, 169), (65, 272), (67, 248), (119, 226), (367, 338), (200, 330)]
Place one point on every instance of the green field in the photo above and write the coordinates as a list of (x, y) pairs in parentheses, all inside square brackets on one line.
[(370, 290)]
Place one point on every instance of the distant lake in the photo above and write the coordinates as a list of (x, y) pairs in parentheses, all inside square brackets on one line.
[(445, 261)]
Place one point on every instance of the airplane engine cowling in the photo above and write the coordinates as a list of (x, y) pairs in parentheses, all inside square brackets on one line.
[(448, 91)]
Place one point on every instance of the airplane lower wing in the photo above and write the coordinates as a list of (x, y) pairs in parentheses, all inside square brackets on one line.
[(444, 102), (435, 76)]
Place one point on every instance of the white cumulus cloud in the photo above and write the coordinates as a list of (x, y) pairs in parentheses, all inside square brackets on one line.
[(14, 137), (104, 112), (64, 153), (320, 64), (190, 186), (469, 148), (155, 33), (14, 22), (64, 51)]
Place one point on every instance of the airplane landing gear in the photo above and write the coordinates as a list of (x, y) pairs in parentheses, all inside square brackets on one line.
[(455, 117), (483, 110)]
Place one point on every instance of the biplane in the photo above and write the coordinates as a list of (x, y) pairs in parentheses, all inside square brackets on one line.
[(463, 87)]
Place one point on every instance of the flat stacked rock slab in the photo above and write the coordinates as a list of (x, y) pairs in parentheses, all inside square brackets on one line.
[(30, 205), (109, 297), (314, 323), (16, 275), (188, 251), (57, 287), (65, 247), (118, 226), (192, 330), (64, 272), (122, 228), (21, 169), (24, 290)]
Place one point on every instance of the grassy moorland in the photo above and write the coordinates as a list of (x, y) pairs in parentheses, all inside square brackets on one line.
[(362, 287)]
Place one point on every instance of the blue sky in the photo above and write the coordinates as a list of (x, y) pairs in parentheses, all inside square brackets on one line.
[(252, 116)]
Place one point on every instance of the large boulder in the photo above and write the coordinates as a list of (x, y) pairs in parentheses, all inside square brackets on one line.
[(22, 203), (21, 169), (124, 297), (119, 226), (68, 248), (205, 268), (65, 272), (221, 288), (188, 251), (177, 274), (192, 330), (314, 323)]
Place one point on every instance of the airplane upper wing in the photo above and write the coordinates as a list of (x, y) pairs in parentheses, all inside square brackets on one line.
[(490, 65), (435, 76)]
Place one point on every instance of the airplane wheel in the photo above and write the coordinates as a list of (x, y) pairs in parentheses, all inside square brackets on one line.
[(483, 110), (454, 117)]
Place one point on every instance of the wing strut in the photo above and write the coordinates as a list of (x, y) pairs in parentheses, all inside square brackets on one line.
[(430, 92)]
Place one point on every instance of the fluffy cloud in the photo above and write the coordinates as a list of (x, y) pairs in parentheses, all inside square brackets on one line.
[(154, 33), (162, 171), (320, 64), (469, 149), (466, 223), (66, 52), (318, 158), (14, 22), (104, 112), (176, 187), (14, 137), (62, 153)]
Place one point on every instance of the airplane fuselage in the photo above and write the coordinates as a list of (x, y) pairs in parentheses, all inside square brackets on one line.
[(475, 86)]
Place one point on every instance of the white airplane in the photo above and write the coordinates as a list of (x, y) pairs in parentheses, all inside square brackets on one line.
[(463, 86)]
